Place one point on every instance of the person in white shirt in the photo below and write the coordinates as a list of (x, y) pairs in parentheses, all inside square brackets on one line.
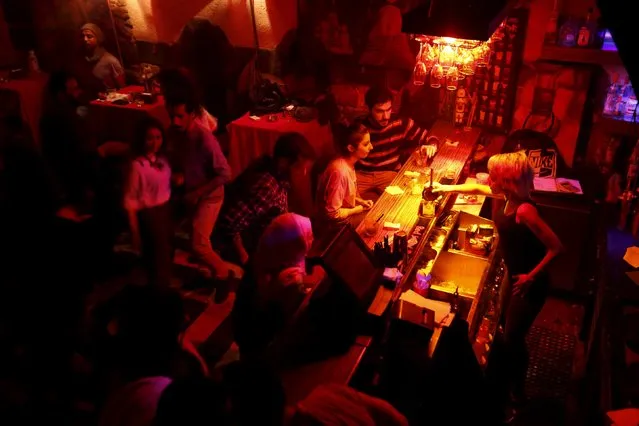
[(146, 201), (337, 199)]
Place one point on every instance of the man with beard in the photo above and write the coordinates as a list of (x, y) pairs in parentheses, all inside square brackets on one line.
[(101, 69), (200, 165), (392, 138)]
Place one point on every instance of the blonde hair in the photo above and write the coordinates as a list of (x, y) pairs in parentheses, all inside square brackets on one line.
[(512, 174)]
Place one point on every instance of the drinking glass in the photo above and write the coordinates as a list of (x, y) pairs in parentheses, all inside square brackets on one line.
[(436, 76)]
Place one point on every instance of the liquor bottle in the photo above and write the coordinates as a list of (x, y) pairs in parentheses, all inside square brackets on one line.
[(482, 115), (586, 31), (551, 27), (454, 306), (610, 104), (568, 33), (499, 121), (620, 89)]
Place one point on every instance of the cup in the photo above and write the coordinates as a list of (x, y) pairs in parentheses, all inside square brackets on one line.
[(422, 281), (482, 178), (371, 226)]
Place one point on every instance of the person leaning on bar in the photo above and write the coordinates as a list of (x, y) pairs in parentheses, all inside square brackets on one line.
[(391, 136), (337, 200), (528, 245)]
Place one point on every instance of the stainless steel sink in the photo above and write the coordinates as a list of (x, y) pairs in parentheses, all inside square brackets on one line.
[(456, 269)]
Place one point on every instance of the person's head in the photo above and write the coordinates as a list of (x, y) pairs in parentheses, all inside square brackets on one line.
[(192, 402), (92, 36), (379, 100), (149, 138), (183, 113), (256, 394), (289, 149), (355, 142), (147, 325), (284, 244), (176, 84), (63, 86), (511, 175)]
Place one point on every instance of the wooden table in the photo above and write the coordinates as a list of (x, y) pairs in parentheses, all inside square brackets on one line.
[(403, 208)]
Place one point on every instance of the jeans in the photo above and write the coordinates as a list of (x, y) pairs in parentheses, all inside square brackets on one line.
[(373, 183), (202, 223)]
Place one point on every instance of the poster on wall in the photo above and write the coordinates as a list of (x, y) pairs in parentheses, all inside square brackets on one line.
[(369, 31)]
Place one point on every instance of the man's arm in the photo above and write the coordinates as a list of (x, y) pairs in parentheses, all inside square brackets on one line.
[(220, 167), (415, 136)]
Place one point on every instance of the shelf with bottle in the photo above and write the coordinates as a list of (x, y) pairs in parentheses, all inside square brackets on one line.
[(578, 41), (619, 114)]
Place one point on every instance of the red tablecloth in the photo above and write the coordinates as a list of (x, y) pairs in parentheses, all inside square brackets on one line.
[(250, 139), (30, 89), (112, 122)]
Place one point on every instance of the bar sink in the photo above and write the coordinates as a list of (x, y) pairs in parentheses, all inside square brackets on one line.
[(458, 269)]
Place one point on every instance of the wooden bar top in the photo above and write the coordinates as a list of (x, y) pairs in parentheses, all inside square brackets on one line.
[(402, 209)]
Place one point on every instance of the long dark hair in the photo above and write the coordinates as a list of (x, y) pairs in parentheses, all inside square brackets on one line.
[(138, 147)]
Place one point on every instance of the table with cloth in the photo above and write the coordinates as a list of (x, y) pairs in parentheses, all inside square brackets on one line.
[(251, 138), (113, 122), (29, 92)]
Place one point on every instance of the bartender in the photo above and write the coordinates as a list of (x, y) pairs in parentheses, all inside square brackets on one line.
[(100, 68), (529, 245)]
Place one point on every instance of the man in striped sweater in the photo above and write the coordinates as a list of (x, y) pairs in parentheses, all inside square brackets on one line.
[(391, 137)]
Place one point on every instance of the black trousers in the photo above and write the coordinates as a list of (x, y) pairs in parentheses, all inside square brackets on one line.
[(520, 315), (156, 233)]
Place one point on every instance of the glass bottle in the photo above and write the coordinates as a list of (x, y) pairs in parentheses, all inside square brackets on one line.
[(586, 31), (482, 115), (568, 33), (499, 121), (551, 26)]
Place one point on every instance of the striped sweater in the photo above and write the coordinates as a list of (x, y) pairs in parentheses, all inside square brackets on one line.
[(390, 142)]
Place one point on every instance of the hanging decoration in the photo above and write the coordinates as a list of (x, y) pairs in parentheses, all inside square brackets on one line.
[(444, 61)]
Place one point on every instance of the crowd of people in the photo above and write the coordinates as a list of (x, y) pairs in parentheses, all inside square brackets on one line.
[(143, 370)]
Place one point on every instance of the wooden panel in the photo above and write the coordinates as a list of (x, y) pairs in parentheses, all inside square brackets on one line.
[(403, 208)]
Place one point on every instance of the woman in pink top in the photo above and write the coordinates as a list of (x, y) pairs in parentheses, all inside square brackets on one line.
[(146, 201), (337, 199)]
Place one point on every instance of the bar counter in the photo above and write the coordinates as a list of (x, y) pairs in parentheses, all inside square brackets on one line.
[(403, 208), (455, 148)]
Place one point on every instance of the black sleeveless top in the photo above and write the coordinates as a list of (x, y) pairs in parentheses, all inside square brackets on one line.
[(522, 250)]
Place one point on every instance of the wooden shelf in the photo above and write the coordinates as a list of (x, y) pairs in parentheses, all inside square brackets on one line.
[(580, 55), (615, 126)]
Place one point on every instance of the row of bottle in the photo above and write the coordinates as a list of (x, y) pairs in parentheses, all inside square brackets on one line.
[(573, 32), (620, 99)]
